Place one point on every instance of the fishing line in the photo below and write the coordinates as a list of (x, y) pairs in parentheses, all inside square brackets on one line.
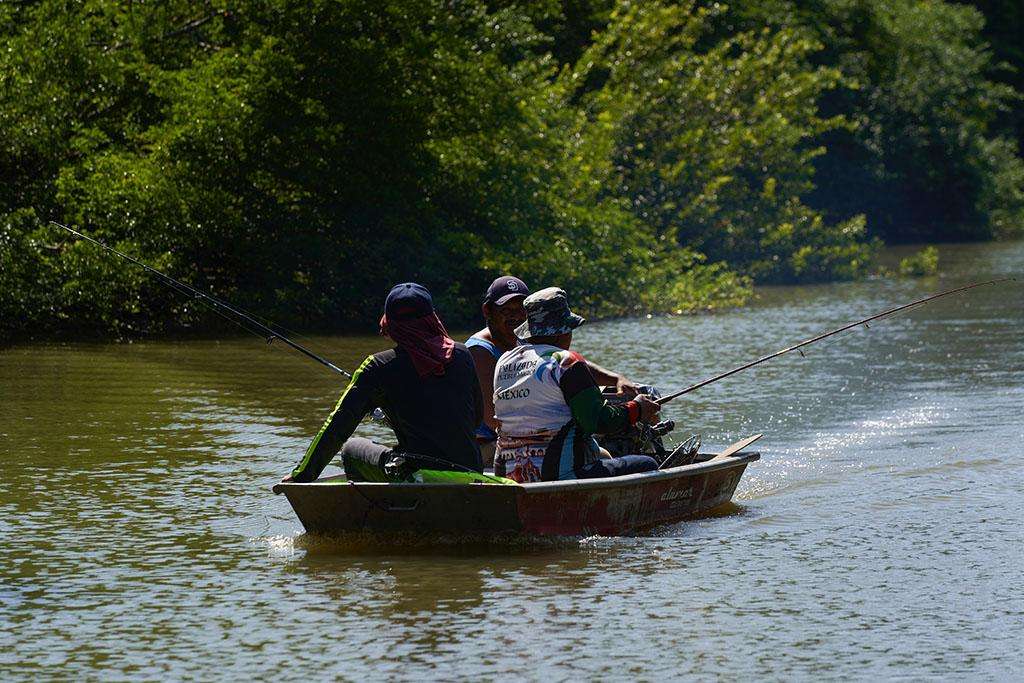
[(217, 305), (825, 343)]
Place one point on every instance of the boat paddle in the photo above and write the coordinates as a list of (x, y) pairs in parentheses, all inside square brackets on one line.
[(738, 446), (693, 387)]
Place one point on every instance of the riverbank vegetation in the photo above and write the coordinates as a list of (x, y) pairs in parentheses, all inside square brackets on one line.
[(300, 157)]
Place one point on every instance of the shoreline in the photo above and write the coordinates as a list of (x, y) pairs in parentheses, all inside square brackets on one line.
[(888, 261)]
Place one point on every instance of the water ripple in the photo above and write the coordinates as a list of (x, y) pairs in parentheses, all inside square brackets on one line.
[(880, 535)]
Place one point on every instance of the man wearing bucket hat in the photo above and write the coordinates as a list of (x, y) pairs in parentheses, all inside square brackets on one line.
[(426, 387), (549, 405), (503, 312)]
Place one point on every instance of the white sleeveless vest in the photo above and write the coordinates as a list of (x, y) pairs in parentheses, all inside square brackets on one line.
[(528, 400)]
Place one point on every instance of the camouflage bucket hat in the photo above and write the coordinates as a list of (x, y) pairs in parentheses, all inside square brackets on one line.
[(548, 314)]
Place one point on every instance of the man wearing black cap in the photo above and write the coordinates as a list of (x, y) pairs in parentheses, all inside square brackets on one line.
[(427, 388), (503, 312), (549, 405)]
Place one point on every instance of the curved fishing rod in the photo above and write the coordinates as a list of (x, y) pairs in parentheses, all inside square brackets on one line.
[(865, 321), (218, 304), (213, 301)]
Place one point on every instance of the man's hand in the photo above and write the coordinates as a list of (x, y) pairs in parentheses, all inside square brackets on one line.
[(287, 480), (648, 409), (626, 387)]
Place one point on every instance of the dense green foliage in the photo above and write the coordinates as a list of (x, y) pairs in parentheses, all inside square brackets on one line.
[(298, 158), (932, 153), (924, 262), (1004, 31)]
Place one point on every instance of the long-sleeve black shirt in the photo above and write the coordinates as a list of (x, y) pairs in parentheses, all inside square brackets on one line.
[(433, 415)]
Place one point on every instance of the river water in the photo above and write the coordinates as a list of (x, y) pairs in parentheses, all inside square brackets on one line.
[(880, 535)]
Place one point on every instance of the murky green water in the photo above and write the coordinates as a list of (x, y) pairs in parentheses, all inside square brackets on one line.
[(882, 533)]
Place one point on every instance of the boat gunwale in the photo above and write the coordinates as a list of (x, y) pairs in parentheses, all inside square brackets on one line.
[(715, 463)]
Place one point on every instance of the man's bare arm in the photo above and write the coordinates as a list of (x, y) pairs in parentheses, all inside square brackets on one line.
[(607, 378), (484, 362)]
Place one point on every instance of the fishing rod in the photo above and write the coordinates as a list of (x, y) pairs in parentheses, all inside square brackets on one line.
[(213, 301), (219, 304), (665, 399)]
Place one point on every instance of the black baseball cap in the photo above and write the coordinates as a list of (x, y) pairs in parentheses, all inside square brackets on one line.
[(504, 288), (407, 301)]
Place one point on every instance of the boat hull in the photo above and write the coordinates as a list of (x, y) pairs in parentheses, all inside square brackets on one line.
[(611, 506)]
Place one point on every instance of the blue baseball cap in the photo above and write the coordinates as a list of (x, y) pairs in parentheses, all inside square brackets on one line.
[(407, 301), (505, 288)]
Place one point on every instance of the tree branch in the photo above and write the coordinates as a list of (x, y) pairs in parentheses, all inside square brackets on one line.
[(190, 27)]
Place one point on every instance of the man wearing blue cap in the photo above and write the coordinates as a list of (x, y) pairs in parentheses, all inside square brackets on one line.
[(503, 312), (427, 388)]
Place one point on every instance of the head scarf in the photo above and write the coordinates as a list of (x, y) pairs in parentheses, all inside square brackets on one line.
[(424, 339)]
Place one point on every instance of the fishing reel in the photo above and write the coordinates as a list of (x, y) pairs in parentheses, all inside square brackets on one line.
[(638, 439), (645, 439), (398, 467)]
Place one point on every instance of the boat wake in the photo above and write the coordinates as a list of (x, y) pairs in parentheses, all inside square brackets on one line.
[(869, 444), (412, 543)]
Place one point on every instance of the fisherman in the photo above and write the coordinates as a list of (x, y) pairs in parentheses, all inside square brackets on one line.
[(428, 391), (503, 313), (549, 406)]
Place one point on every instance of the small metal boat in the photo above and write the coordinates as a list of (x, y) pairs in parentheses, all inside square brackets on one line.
[(611, 506)]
